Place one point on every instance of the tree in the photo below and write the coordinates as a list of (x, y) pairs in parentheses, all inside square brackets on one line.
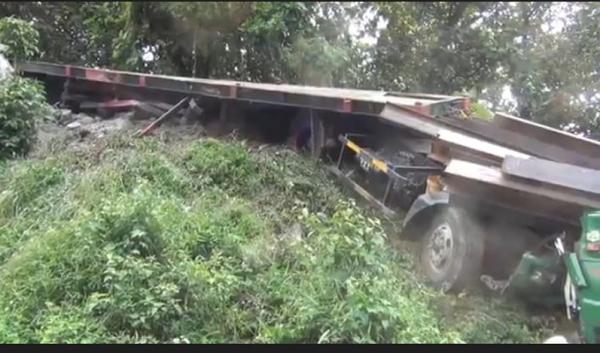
[(551, 71), (438, 47), (264, 36), (483, 49), (19, 38), (71, 32), (187, 37), (313, 61), (22, 100)]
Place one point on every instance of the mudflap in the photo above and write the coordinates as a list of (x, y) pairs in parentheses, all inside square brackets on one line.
[(424, 201), (419, 211)]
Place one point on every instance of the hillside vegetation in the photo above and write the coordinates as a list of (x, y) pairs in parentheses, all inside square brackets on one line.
[(211, 241)]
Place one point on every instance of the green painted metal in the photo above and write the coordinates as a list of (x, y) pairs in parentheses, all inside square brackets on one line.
[(575, 271), (536, 280), (589, 264)]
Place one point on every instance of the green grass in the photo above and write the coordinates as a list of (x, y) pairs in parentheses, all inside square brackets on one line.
[(138, 241)]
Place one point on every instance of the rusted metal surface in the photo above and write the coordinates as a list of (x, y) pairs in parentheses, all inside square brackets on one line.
[(477, 146), (545, 143), (408, 110), (559, 174), (525, 138), (449, 142), (443, 152), (505, 132), (336, 99), (492, 179), (489, 184), (580, 145), (407, 118)]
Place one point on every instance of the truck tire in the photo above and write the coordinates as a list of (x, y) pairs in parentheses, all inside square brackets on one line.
[(451, 251)]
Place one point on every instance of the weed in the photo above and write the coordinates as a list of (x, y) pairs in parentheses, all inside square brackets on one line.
[(207, 243)]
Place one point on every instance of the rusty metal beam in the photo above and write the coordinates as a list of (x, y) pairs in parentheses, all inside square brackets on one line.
[(559, 174), (334, 99), (581, 145), (489, 184)]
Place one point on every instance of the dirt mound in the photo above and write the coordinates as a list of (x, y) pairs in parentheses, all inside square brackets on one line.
[(80, 131)]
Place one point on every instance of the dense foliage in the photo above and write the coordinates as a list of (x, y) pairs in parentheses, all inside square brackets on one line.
[(20, 39), (540, 55), (22, 103), (209, 242)]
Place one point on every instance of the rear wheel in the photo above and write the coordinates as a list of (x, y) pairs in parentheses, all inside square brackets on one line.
[(452, 251)]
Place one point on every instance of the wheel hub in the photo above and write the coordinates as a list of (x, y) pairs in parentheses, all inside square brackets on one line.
[(440, 247)]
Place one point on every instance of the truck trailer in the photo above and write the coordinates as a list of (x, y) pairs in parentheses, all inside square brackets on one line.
[(495, 201)]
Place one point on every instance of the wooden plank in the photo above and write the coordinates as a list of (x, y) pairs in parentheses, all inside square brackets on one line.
[(493, 176), (560, 174)]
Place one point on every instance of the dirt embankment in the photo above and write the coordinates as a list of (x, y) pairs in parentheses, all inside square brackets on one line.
[(178, 237)]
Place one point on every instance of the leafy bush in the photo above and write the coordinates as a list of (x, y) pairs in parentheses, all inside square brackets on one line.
[(226, 166), (148, 259), (480, 111), (70, 325), (20, 38), (22, 102)]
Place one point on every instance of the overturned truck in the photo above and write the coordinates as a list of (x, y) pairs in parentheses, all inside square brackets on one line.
[(476, 195)]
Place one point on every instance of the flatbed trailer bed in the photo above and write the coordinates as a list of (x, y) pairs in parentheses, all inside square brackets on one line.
[(475, 141), (336, 99)]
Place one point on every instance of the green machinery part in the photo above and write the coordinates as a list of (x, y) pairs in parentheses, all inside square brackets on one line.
[(583, 267), (538, 280), (572, 278)]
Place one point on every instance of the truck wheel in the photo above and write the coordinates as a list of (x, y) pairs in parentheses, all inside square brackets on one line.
[(452, 251)]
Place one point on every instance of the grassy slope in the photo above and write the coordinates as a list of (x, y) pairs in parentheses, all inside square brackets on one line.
[(210, 242)]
